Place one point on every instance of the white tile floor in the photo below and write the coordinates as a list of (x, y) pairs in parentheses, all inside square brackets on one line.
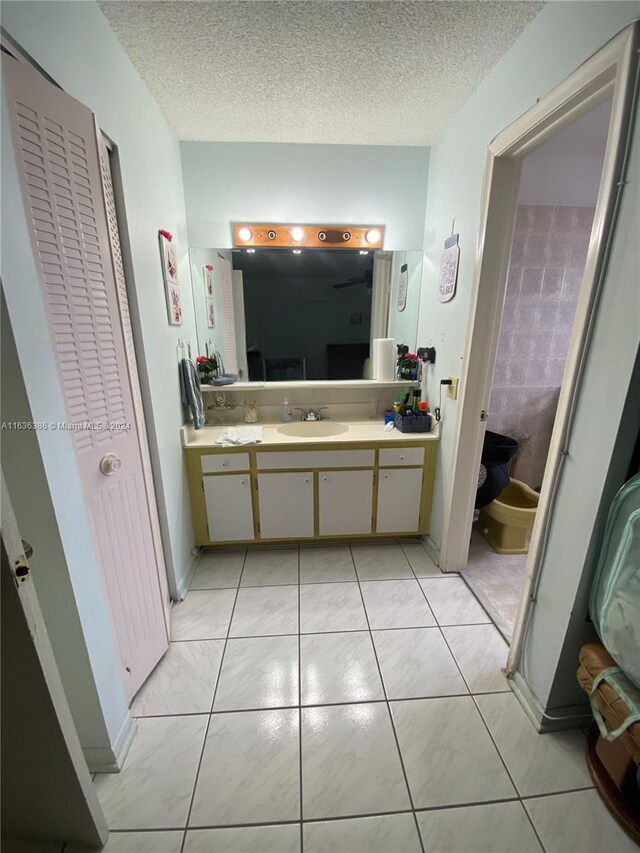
[(497, 580), (342, 699)]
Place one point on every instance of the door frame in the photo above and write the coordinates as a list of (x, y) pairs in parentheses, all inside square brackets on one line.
[(610, 72)]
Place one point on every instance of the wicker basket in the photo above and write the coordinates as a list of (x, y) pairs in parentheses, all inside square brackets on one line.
[(412, 423)]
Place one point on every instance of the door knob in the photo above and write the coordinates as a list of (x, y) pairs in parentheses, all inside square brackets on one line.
[(109, 464)]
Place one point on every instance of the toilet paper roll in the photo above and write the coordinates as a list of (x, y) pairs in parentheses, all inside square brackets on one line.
[(384, 359)]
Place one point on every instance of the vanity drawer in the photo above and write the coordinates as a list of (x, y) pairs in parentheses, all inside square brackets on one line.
[(216, 463), (401, 456), (315, 459)]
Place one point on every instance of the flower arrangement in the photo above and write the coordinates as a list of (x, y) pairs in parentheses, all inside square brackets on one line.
[(407, 364), (207, 367)]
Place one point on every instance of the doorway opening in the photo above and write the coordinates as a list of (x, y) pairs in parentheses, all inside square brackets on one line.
[(556, 203)]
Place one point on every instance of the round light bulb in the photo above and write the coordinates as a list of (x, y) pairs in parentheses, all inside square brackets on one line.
[(297, 251), (251, 251), (297, 234), (244, 234), (373, 236)]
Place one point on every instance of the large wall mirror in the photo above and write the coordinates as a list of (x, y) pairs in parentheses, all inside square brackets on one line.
[(309, 314)]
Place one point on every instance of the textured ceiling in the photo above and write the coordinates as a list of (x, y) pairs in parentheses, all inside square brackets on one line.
[(350, 72)]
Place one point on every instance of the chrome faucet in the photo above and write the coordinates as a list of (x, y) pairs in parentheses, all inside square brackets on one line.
[(311, 414)]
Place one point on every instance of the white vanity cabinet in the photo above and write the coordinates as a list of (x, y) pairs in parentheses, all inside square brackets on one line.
[(285, 503), (345, 502), (228, 507), (274, 493), (399, 494)]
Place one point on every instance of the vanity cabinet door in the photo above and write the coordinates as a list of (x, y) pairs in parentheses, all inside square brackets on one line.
[(286, 505), (346, 502), (399, 494), (229, 510)]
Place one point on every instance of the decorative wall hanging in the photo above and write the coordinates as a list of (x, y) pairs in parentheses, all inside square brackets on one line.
[(449, 269), (403, 284), (208, 296), (169, 257)]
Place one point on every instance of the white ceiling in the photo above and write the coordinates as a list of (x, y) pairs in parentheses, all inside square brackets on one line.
[(323, 71)]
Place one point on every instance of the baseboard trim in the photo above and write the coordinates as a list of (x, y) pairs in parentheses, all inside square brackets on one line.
[(105, 760), (566, 717), (185, 582)]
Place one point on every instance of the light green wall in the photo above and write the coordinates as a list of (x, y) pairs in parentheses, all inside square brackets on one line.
[(227, 182)]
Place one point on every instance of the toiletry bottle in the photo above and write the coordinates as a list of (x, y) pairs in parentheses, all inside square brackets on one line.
[(286, 414)]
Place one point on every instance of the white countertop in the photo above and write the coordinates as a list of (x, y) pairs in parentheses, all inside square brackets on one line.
[(354, 431)]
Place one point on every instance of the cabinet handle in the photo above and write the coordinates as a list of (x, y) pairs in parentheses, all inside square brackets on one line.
[(325, 479), (401, 457), (386, 476), (307, 479), (243, 482), (224, 463)]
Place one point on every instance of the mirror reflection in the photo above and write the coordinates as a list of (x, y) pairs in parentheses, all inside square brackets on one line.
[(309, 314)]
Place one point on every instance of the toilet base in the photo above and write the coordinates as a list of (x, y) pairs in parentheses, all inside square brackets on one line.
[(503, 538)]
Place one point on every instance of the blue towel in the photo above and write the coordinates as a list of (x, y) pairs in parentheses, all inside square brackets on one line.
[(191, 394)]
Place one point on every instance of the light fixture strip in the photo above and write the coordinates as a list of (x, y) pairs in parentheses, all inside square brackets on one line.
[(320, 236)]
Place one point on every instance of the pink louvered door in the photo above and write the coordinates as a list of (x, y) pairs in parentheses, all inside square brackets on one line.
[(58, 160)]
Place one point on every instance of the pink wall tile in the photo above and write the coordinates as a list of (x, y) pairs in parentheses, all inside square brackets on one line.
[(546, 269), (552, 282)]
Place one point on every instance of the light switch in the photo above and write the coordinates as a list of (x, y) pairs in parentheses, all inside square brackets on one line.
[(452, 390)]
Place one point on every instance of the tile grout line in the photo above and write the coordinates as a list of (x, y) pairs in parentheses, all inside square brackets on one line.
[(316, 583), (210, 715), (472, 695), (343, 631), (355, 816), (511, 779), (327, 704), (384, 690)]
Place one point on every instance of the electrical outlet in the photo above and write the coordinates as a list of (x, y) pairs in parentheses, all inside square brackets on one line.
[(452, 390)]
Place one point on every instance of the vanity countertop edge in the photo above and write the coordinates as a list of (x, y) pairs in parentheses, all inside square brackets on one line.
[(360, 431)]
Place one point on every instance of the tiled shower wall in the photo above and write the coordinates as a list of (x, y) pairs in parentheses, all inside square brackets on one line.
[(547, 264)]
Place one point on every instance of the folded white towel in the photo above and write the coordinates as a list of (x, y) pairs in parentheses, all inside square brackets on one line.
[(240, 435)]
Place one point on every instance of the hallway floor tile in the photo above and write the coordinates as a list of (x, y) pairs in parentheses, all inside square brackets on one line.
[(342, 699)]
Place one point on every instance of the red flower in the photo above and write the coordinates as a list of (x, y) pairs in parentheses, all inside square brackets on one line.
[(201, 359), (208, 267), (166, 234)]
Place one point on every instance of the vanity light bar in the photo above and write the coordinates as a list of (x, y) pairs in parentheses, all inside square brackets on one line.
[(281, 236)]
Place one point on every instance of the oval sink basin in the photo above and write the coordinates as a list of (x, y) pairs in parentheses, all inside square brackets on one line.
[(313, 429)]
